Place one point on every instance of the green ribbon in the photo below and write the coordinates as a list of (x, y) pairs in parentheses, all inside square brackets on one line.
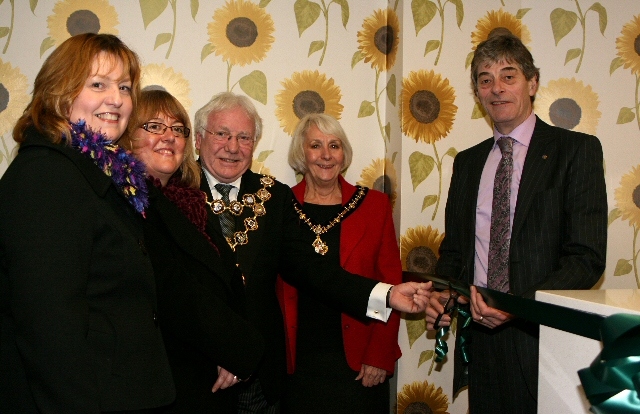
[(612, 381)]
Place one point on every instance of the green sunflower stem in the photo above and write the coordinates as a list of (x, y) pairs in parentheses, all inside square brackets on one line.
[(637, 103), (439, 166), (385, 138), (6, 45), (325, 12), (584, 35), (229, 66), (635, 255), (173, 30), (441, 12)]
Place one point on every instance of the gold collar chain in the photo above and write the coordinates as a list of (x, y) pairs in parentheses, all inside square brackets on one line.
[(253, 201), (318, 244)]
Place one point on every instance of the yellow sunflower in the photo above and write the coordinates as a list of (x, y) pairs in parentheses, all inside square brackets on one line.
[(499, 18), (378, 40), (72, 17), (241, 32), (419, 249), (304, 93), (427, 110), (628, 45), (422, 397), (628, 197), (156, 76), (13, 95), (569, 104), (381, 175)]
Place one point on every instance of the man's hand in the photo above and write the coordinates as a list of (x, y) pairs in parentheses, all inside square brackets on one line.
[(225, 380), (410, 297), (439, 305), (485, 315), (371, 376)]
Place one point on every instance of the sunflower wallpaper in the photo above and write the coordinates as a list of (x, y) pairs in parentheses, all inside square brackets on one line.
[(396, 74)]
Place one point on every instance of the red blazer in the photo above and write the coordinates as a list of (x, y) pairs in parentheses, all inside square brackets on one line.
[(368, 247)]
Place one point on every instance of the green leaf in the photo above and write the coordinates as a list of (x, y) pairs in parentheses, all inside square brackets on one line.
[(264, 3), (431, 46), (151, 9), (315, 46), (357, 57), (3, 31), (344, 5), (423, 12), (366, 109), (478, 111), (387, 131), (602, 13), (262, 157), (572, 54), (420, 166), (306, 13), (623, 267), (161, 39), (429, 201), (207, 49), (32, 4), (391, 89), (562, 22), (255, 86), (195, 5), (393, 157), (613, 215), (615, 64), (46, 44), (459, 11), (425, 356), (415, 329), (521, 12), (467, 61), (452, 152), (625, 115)]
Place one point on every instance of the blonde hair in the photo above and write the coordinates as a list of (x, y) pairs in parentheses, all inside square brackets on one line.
[(62, 77), (151, 103), (327, 125)]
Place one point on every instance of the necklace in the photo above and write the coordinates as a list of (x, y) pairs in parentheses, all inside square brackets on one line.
[(126, 171), (254, 201), (318, 244)]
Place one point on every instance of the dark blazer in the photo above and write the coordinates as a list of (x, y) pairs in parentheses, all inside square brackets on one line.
[(276, 247), (79, 332), (368, 247), (201, 303), (559, 234)]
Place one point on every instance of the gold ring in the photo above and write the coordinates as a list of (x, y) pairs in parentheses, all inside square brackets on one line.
[(481, 318)]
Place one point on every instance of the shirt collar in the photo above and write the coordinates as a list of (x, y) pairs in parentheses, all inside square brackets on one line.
[(522, 133)]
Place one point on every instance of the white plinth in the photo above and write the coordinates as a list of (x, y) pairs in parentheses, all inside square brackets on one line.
[(562, 354)]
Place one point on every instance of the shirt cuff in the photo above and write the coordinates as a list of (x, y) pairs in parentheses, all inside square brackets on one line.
[(376, 308)]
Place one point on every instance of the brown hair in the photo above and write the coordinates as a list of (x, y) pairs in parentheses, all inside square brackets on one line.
[(151, 103), (62, 77), (502, 45)]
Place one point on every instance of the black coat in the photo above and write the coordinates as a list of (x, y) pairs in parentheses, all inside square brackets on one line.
[(201, 303), (79, 332), (278, 246)]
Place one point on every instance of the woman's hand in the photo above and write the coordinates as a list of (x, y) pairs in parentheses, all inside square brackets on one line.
[(371, 376)]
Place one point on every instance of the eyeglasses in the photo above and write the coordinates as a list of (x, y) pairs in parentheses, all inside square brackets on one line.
[(224, 136), (159, 128)]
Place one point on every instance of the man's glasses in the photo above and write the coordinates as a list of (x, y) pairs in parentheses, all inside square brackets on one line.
[(224, 136), (179, 131)]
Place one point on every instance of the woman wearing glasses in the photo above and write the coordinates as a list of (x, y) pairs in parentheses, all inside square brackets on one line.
[(210, 345)]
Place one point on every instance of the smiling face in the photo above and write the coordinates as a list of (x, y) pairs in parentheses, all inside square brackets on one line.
[(162, 154), (505, 94), (324, 157), (226, 160), (105, 99)]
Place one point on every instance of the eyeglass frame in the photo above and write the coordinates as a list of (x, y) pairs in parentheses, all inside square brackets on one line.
[(217, 136), (176, 134)]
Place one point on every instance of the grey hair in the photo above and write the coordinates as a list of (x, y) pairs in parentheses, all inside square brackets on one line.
[(225, 101)]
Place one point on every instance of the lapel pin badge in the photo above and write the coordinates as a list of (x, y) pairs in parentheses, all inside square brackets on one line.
[(544, 157)]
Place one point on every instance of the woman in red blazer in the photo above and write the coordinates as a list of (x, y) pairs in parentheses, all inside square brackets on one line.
[(338, 363)]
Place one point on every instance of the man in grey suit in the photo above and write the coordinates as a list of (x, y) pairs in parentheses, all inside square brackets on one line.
[(556, 225)]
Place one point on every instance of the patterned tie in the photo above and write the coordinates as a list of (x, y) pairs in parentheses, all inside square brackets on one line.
[(498, 273), (226, 218)]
